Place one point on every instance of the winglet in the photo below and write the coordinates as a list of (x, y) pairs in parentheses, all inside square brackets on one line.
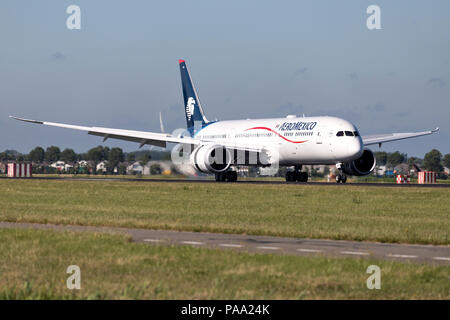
[(26, 120), (161, 123), (180, 61)]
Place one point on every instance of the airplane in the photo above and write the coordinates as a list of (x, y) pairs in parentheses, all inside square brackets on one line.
[(218, 147)]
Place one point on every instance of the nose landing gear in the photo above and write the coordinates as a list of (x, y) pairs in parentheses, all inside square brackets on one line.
[(296, 175), (341, 176)]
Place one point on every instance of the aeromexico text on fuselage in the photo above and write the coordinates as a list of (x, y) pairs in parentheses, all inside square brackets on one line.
[(285, 126), (289, 126)]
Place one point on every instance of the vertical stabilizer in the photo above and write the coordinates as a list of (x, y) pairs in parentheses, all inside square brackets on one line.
[(195, 116)]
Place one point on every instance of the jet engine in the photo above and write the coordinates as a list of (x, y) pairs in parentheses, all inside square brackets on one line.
[(361, 166), (211, 158)]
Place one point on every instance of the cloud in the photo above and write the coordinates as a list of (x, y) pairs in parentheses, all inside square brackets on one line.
[(353, 76), (436, 82), (300, 71), (57, 56)]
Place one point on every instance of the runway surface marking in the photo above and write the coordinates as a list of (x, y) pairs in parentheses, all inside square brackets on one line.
[(230, 245), (195, 243), (309, 250), (358, 253), (402, 256), (153, 240), (410, 253), (442, 258)]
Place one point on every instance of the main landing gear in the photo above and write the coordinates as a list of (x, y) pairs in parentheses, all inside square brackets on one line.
[(340, 177), (296, 175), (227, 176)]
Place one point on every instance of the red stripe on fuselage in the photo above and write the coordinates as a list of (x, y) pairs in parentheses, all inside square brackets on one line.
[(268, 129)]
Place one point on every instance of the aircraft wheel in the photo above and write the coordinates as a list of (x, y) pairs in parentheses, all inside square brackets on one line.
[(231, 176), (303, 177), (290, 176), (220, 177)]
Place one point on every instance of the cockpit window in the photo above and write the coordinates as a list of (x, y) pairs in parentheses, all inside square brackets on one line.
[(349, 133), (340, 133), (356, 133)]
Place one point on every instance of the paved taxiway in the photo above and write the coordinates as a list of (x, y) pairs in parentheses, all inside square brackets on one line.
[(256, 181), (266, 244)]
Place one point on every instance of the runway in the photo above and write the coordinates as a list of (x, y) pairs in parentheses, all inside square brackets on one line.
[(255, 181), (269, 245)]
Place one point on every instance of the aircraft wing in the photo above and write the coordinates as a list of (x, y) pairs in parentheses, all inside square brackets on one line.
[(382, 138), (142, 137)]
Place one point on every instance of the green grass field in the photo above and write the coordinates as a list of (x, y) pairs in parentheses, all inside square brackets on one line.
[(34, 264), (363, 179), (405, 215)]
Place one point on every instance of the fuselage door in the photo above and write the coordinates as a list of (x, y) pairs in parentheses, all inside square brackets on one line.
[(319, 137)]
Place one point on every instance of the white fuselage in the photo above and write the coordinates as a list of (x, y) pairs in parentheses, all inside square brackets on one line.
[(305, 140)]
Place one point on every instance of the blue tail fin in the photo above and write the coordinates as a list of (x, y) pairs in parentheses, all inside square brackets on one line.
[(195, 118)]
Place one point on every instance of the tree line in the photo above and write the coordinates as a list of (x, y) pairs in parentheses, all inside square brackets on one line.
[(433, 160), (113, 156)]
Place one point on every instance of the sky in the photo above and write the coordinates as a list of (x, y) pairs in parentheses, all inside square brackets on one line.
[(248, 59)]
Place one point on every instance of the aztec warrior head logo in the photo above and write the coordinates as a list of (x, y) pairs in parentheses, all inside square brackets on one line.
[(190, 108)]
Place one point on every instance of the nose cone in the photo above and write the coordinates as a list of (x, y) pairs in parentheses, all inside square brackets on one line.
[(355, 148)]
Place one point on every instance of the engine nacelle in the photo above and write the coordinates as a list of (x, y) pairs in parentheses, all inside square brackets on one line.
[(361, 166), (211, 158)]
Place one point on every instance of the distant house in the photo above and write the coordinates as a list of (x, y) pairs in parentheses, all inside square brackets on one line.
[(402, 168), (102, 166), (319, 168), (135, 168), (164, 165), (446, 170), (242, 171), (145, 170), (380, 170), (82, 163), (61, 166), (2, 167)]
